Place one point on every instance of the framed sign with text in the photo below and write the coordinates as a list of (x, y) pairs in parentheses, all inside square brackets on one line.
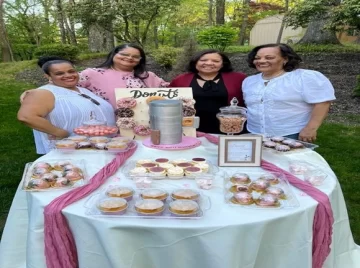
[(240, 151)]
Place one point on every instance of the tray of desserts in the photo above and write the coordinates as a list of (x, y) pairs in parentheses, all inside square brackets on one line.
[(54, 175), (154, 203), (95, 144), (285, 145), (259, 190), (163, 168)]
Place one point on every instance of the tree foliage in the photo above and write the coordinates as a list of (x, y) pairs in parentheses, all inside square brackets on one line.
[(218, 37)]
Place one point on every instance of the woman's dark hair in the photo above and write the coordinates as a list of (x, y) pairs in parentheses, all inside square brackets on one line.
[(45, 62), (226, 62), (139, 69), (293, 59)]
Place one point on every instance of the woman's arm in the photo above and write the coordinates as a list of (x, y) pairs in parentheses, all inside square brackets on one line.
[(33, 109), (318, 114)]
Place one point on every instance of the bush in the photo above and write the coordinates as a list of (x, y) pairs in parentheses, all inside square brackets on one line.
[(23, 51), (217, 37), (65, 51), (165, 56), (356, 92)]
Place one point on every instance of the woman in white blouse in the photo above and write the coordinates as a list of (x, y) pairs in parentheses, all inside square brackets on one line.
[(55, 109), (283, 100)]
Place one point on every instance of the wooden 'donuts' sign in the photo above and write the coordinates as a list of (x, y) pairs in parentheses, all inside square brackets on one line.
[(140, 116)]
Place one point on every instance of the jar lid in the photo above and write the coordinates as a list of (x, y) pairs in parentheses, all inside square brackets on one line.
[(233, 108), (93, 121)]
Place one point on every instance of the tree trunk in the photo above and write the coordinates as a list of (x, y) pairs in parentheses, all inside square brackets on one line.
[(282, 26), (6, 51), (220, 12), (60, 19), (244, 22), (156, 39), (317, 34), (100, 39), (71, 29), (210, 13)]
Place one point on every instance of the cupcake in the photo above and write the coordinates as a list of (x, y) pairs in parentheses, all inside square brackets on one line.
[(269, 144), (38, 172), (112, 206), (175, 172), (178, 161), (121, 192), (259, 185), (198, 160), (72, 175), (158, 171), (240, 178), (282, 148), (143, 161), (240, 188), (276, 191), (154, 194), (271, 178), (166, 165), (184, 165), (277, 139), (183, 208), (149, 165), (38, 184), (65, 144), (49, 177), (242, 198), (43, 165), (59, 166), (161, 160), (186, 194), (190, 171), (138, 170), (122, 139), (77, 138), (149, 207), (203, 166), (98, 139), (62, 182), (116, 146), (83, 145), (267, 200)]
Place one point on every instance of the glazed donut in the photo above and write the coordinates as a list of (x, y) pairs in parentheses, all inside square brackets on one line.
[(126, 123), (188, 111), (126, 103), (142, 130), (124, 112), (153, 98)]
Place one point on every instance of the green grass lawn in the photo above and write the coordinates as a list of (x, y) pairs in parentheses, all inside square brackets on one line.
[(339, 145)]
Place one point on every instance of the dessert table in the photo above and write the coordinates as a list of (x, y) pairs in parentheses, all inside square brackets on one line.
[(226, 236)]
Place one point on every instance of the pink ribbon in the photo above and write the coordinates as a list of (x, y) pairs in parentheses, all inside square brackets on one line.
[(323, 218), (60, 248)]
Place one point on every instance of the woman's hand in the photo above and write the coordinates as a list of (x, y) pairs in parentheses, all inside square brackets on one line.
[(308, 134)]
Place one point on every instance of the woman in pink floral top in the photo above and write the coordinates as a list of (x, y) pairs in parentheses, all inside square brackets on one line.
[(125, 67)]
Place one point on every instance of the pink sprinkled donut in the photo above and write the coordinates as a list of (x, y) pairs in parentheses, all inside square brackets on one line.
[(142, 130), (187, 101), (126, 103), (126, 123)]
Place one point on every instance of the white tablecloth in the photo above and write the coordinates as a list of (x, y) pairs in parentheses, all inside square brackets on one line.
[(226, 237)]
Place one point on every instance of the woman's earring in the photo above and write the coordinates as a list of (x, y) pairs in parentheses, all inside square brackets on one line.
[(50, 81), (284, 63)]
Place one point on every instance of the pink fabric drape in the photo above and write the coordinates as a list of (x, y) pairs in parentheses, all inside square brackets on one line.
[(60, 248), (323, 218)]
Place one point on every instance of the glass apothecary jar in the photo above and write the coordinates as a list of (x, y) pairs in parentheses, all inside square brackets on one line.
[(232, 118)]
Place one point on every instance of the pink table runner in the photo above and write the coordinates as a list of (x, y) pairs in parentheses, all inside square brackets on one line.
[(323, 218), (60, 248)]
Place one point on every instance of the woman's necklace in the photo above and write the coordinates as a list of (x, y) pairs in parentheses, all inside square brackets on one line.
[(267, 80)]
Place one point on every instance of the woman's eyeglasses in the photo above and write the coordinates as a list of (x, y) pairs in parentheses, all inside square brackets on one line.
[(89, 98), (135, 57)]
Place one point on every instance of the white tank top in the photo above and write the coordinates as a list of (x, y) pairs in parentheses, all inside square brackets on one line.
[(70, 111)]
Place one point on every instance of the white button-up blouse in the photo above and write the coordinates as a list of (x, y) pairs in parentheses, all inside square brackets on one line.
[(284, 105)]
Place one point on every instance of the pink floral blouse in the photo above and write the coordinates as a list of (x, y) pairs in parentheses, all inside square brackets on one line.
[(103, 82)]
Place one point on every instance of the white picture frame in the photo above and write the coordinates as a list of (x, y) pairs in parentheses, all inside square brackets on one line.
[(240, 151)]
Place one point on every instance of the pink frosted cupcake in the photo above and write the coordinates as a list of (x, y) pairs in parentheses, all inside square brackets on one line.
[(38, 184), (267, 200), (259, 185), (242, 198), (240, 178)]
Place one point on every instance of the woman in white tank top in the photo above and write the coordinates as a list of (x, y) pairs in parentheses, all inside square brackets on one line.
[(55, 109)]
